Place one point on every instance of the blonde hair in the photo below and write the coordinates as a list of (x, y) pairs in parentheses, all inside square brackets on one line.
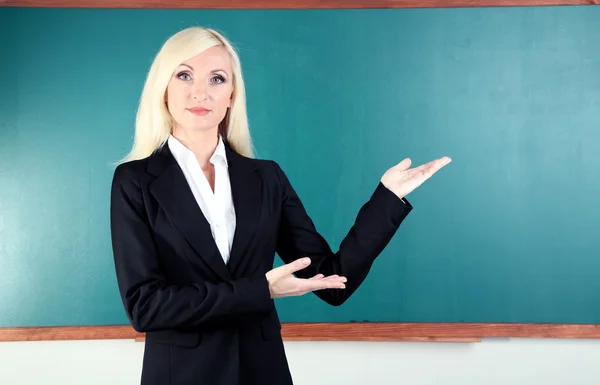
[(154, 123)]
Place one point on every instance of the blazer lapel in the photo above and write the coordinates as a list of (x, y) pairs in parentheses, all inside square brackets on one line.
[(173, 193), (246, 187)]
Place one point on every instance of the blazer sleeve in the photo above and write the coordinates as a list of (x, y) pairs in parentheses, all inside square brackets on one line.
[(374, 226), (152, 303)]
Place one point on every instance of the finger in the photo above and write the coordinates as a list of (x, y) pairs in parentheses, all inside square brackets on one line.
[(321, 284), (443, 161), (421, 167), (336, 278), (430, 168), (437, 165), (291, 267), (318, 276), (330, 277), (427, 165)]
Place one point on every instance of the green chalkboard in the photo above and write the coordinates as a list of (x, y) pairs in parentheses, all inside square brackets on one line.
[(509, 232)]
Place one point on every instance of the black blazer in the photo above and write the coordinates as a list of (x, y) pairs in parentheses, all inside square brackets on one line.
[(211, 323)]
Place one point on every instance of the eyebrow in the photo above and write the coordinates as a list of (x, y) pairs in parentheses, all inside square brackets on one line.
[(213, 71)]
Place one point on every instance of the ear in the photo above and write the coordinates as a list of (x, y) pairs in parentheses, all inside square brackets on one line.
[(230, 101)]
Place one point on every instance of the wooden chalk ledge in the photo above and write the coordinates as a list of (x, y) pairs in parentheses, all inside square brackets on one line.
[(352, 331)]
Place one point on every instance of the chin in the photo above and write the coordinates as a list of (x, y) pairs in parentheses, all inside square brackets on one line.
[(200, 127)]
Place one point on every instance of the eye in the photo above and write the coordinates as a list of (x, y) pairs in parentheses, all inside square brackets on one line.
[(184, 76), (218, 79)]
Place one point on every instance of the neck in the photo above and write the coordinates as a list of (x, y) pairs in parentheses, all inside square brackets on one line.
[(201, 143)]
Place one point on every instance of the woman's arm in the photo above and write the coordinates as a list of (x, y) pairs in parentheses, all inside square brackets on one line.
[(375, 225), (152, 303)]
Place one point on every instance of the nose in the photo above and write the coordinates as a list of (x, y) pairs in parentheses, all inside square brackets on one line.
[(199, 91)]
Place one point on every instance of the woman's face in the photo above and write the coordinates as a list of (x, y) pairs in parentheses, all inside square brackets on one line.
[(200, 91)]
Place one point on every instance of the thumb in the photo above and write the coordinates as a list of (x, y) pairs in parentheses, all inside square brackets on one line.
[(288, 269), (293, 267), (404, 164)]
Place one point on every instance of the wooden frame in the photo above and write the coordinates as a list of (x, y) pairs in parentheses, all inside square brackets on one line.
[(287, 4), (450, 332), (352, 331)]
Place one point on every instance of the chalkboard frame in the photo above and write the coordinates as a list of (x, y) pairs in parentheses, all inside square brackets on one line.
[(288, 4), (352, 331)]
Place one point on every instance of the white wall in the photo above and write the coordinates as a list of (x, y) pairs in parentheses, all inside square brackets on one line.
[(490, 362)]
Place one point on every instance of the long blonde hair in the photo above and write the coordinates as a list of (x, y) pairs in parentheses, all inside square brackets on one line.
[(154, 123)]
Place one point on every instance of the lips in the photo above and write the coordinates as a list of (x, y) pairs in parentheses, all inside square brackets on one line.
[(199, 111)]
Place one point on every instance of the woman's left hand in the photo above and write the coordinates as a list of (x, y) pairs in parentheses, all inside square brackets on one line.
[(401, 180)]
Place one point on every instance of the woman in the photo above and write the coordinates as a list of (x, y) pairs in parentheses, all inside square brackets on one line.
[(196, 223)]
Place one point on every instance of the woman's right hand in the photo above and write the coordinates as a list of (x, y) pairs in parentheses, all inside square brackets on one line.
[(283, 284)]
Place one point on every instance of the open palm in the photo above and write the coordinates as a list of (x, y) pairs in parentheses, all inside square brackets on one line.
[(282, 282), (402, 180)]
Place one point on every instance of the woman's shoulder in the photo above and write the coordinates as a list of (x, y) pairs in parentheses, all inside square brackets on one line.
[(131, 167), (261, 164), (266, 166), (130, 172)]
